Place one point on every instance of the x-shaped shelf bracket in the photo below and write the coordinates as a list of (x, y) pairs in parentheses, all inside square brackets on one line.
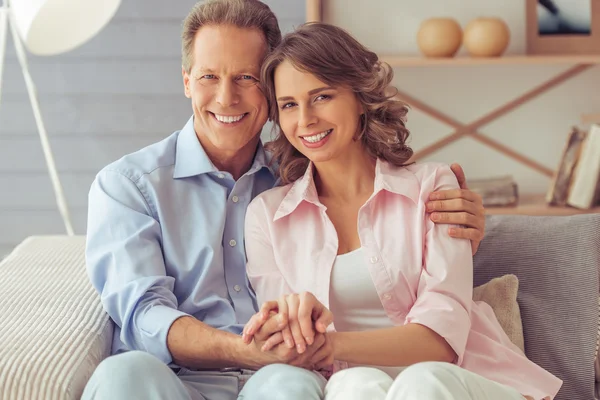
[(472, 128)]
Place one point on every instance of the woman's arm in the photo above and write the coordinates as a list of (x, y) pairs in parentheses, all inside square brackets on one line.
[(272, 290), (266, 279), (397, 346), (438, 324)]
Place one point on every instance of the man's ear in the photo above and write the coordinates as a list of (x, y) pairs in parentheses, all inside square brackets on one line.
[(186, 82)]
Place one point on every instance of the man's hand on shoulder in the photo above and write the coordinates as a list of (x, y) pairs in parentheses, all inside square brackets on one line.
[(459, 207)]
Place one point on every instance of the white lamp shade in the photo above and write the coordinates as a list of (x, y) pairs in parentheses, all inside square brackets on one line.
[(50, 27)]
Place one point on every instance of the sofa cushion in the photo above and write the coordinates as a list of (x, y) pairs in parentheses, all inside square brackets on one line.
[(556, 260), (54, 331), (501, 295)]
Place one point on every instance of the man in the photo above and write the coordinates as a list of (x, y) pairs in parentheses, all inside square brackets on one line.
[(165, 230)]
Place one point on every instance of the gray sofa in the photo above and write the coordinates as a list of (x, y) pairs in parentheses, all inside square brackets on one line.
[(54, 331)]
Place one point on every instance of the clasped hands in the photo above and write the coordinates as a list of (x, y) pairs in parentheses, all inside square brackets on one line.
[(292, 330)]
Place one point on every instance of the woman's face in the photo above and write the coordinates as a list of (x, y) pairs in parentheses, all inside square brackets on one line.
[(318, 120)]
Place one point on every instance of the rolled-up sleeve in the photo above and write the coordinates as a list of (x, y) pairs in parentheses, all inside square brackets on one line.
[(125, 264), (265, 277), (444, 295)]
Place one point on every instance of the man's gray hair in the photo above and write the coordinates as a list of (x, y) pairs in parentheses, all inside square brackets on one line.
[(249, 14)]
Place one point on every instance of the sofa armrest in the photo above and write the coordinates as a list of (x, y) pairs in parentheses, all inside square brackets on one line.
[(54, 330)]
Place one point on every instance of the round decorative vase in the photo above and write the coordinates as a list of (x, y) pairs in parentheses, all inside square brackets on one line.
[(486, 37), (439, 37)]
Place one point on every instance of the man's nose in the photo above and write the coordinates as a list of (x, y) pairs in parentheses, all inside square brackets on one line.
[(227, 94), (307, 117)]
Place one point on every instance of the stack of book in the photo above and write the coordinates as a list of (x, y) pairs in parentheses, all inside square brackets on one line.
[(576, 182), (496, 191)]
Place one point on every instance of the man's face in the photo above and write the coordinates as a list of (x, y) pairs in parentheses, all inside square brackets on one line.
[(229, 106)]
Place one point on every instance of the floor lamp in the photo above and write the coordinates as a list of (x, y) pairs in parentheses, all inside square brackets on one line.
[(46, 28)]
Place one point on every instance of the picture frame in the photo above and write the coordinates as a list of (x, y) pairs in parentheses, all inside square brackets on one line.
[(563, 26)]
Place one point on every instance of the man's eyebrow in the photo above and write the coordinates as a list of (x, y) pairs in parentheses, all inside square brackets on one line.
[(205, 69), (310, 93)]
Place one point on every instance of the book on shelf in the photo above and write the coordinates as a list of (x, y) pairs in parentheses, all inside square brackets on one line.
[(576, 182), (496, 191), (585, 189), (561, 182)]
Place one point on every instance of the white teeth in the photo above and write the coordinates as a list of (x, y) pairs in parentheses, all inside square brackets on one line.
[(316, 138), (228, 119)]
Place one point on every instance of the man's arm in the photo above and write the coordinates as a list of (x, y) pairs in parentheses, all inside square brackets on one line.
[(459, 207), (193, 344), (126, 266)]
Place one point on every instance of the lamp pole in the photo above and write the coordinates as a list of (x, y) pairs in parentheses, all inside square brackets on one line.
[(5, 18), (3, 34)]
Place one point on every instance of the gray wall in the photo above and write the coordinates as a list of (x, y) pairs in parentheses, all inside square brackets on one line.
[(117, 93)]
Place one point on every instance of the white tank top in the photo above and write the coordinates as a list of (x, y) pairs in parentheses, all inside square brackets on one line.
[(354, 301)]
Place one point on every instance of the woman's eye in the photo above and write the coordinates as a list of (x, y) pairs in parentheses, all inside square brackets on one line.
[(322, 97), (287, 105)]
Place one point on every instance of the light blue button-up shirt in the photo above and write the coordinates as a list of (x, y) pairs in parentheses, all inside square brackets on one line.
[(165, 239)]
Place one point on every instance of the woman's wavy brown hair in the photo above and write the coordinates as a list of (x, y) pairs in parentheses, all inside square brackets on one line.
[(338, 60)]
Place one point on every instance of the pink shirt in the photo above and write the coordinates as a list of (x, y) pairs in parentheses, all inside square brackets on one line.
[(421, 274)]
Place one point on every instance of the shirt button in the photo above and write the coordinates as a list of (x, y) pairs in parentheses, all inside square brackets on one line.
[(232, 243), (374, 259), (387, 296), (221, 176), (237, 288), (235, 199)]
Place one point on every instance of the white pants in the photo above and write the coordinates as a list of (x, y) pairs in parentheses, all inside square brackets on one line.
[(423, 381)]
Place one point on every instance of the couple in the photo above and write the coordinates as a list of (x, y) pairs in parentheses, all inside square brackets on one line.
[(352, 232)]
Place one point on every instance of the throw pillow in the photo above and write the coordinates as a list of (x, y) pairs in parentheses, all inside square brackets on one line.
[(557, 260), (597, 361), (501, 295)]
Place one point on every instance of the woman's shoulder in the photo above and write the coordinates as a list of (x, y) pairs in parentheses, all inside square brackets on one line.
[(418, 180), (422, 171)]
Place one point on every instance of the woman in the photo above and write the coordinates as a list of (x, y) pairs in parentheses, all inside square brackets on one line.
[(350, 227)]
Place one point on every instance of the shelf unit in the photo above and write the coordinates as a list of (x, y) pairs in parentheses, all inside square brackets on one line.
[(529, 205), (416, 61), (535, 204)]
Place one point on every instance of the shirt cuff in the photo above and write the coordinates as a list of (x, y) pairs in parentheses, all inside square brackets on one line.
[(154, 328)]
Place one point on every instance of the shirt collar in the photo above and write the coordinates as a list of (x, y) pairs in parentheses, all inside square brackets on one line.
[(190, 157), (192, 160), (398, 180)]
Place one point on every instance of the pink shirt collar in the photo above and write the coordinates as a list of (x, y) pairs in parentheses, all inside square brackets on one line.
[(399, 181)]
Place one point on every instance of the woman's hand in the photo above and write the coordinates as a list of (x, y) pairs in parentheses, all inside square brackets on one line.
[(317, 356), (304, 315), (459, 207)]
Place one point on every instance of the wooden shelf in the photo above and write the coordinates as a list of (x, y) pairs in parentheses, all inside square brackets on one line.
[(536, 205), (414, 61), (590, 118)]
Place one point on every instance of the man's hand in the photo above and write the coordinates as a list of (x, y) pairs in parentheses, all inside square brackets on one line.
[(316, 355), (459, 207), (269, 310), (304, 314)]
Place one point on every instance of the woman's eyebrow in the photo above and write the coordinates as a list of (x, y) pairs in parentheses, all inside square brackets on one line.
[(310, 93)]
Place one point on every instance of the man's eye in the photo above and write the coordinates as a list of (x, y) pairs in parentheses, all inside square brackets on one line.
[(208, 76), (246, 80)]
